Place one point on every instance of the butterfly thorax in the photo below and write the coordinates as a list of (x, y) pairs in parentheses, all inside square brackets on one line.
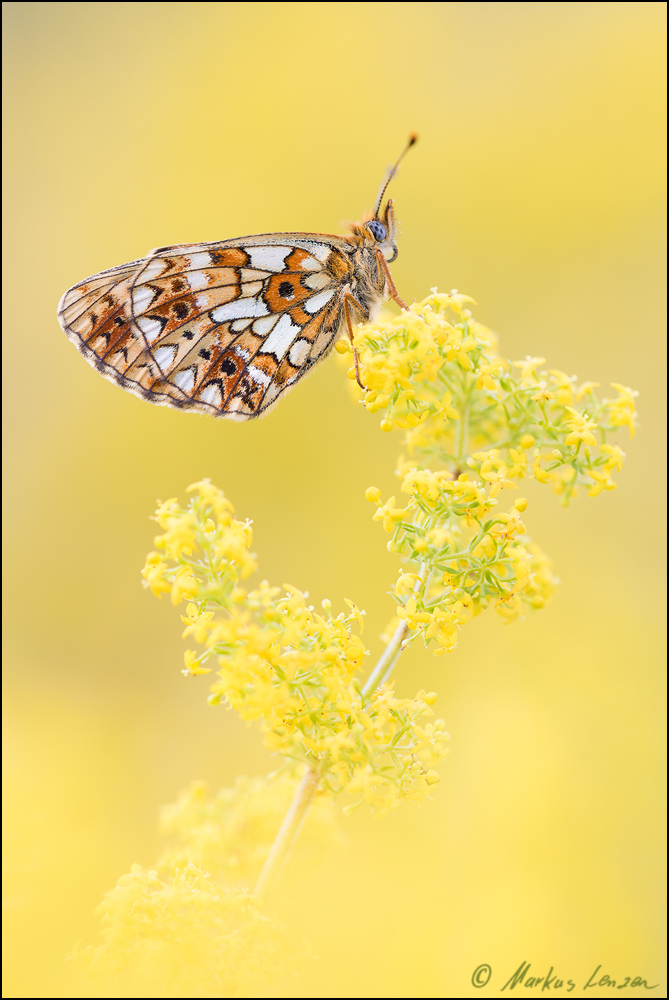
[(368, 286)]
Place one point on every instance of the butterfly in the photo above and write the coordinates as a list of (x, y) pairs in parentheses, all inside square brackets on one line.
[(226, 328)]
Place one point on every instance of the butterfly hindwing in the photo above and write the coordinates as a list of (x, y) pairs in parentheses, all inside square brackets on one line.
[(223, 328)]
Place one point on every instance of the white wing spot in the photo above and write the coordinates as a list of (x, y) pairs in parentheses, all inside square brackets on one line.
[(238, 309), (298, 353), (165, 355), (316, 302), (281, 337), (198, 260), (240, 324), (151, 328), (185, 379), (153, 269), (197, 279), (258, 375), (262, 327), (142, 297), (318, 280), (212, 394), (310, 264), (268, 258)]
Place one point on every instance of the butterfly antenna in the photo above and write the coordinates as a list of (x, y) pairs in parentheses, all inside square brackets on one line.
[(391, 173)]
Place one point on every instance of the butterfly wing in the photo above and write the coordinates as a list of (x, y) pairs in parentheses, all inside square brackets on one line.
[(221, 328)]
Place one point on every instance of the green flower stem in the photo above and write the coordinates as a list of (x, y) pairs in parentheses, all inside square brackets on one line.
[(297, 810), (388, 659), (287, 834)]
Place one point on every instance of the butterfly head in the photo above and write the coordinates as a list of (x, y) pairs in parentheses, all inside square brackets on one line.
[(382, 226), (384, 229)]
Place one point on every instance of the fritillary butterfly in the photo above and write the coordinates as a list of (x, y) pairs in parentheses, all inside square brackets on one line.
[(226, 328)]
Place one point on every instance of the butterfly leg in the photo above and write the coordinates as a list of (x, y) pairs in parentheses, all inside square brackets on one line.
[(356, 360), (394, 294)]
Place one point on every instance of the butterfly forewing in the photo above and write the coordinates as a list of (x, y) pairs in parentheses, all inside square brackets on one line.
[(222, 328)]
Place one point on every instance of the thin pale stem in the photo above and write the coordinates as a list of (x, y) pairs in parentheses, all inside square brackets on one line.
[(463, 432), (387, 660), (286, 836)]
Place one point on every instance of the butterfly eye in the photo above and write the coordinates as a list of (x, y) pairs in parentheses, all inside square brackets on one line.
[(378, 230)]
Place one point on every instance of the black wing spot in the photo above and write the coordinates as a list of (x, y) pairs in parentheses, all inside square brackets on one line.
[(286, 290), (204, 353), (180, 309), (228, 367)]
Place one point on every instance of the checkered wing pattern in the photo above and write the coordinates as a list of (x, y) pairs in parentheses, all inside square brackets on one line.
[(221, 328)]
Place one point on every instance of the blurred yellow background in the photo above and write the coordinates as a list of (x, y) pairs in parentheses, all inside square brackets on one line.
[(537, 188)]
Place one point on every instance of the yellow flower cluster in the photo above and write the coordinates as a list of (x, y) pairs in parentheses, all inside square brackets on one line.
[(531, 582), (185, 935), (434, 372), (208, 526), (403, 358), (286, 667), (471, 554), (475, 425), (386, 751), (190, 927)]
